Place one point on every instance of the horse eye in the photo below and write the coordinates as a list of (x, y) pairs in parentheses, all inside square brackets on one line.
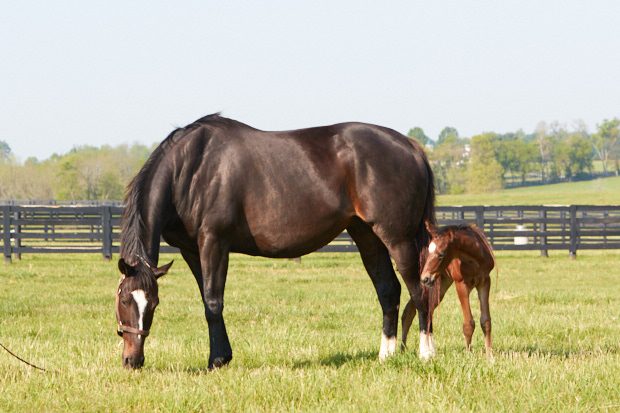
[(125, 301)]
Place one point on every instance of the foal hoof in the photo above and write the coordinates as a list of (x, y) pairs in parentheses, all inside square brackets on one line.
[(219, 362)]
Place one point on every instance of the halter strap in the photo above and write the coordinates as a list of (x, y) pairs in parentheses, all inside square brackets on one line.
[(120, 328), (126, 329)]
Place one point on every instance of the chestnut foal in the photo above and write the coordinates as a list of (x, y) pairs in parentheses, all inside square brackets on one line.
[(459, 254)]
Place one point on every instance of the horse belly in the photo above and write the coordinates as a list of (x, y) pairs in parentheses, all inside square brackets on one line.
[(287, 231)]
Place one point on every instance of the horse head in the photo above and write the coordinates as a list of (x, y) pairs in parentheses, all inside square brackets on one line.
[(438, 254), (136, 300)]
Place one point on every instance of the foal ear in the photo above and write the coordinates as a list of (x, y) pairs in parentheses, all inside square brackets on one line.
[(163, 270), (125, 268), (430, 227)]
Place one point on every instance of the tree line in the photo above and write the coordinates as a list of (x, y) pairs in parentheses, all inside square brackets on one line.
[(491, 161), (485, 162), (84, 173)]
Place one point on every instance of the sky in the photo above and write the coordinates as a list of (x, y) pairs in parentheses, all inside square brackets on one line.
[(78, 73)]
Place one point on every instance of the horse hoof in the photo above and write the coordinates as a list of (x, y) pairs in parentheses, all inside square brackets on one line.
[(426, 357), (219, 362)]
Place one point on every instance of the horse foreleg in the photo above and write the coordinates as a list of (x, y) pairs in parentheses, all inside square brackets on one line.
[(214, 266), (468, 320), (485, 314)]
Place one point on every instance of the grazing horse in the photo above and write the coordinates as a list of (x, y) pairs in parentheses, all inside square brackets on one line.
[(459, 254), (219, 186)]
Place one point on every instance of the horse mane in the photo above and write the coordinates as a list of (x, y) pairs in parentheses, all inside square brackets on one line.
[(132, 223)]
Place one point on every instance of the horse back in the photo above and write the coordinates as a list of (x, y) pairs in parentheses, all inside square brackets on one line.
[(287, 193)]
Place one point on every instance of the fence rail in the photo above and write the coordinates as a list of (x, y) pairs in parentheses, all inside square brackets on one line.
[(96, 228)]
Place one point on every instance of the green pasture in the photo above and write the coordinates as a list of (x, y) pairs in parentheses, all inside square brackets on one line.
[(603, 191), (305, 338)]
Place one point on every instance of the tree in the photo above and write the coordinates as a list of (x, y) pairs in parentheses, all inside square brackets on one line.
[(448, 160), (572, 155), (605, 141), (484, 172), (544, 149), (581, 154), (447, 133), (516, 156), (418, 134), (5, 151)]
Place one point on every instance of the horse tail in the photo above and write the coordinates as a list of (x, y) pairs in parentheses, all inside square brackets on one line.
[(423, 237)]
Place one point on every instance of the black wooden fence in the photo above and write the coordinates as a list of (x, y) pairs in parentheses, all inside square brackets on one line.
[(95, 228)]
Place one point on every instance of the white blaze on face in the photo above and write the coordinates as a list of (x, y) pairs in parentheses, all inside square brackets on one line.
[(432, 247), (139, 297), (388, 346)]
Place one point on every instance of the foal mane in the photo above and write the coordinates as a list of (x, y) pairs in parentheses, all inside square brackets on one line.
[(132, 224)]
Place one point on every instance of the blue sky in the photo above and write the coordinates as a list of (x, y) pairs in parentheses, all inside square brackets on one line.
[(110, 72)]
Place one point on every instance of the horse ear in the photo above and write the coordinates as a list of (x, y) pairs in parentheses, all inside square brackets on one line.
[(163, 270), (430, 227), (125, 268)]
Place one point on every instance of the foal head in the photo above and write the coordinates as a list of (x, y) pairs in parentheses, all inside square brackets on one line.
[(439, 254), (136, 300)]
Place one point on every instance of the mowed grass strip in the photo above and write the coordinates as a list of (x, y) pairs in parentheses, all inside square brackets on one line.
[(602, 191), (305, 337)]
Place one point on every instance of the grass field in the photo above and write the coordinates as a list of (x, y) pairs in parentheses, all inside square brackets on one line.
[(305, 338), (604, 191)]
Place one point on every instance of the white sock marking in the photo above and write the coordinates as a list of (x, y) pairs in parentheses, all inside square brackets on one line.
[(139, 297), (388, 346), (427, 346)]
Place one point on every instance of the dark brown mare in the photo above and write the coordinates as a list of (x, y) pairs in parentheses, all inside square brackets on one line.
[(218, 186), (459, 254)]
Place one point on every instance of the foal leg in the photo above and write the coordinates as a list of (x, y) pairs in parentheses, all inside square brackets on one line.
[(485, 314), (410, 311), (379, 267), (214, 266), (468, 321)]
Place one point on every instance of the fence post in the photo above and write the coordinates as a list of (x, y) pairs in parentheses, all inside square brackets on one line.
[(106, 224), (17, 240), (6, 232), (544, 252), (480, 217), (572, 253)]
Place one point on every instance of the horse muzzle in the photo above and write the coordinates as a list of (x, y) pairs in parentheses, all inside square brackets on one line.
[(427, 279), (133, 362)]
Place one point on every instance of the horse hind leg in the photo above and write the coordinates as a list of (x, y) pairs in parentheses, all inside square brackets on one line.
[(409, 314), (485, 314), (463, 292), (406, 320), (406, 256), (378, 265)]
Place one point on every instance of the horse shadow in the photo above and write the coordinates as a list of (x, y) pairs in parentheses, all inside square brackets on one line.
[(337, 360)]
